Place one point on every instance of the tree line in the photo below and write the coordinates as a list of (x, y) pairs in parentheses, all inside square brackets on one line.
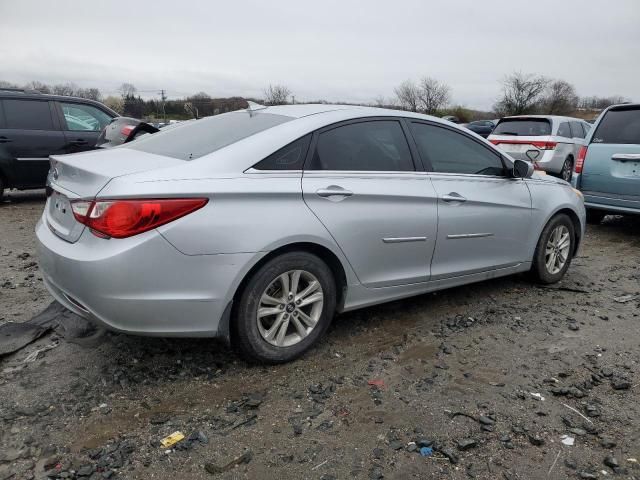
[(521, 93)]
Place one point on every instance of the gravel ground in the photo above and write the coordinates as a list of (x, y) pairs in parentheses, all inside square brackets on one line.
[(485, 379)]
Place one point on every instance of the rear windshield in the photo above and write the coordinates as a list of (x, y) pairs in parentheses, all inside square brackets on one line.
[(196, 138), (619, 126), (529, 127)]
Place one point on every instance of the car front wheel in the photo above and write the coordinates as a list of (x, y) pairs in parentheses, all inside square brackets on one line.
[(554, 250), (286, 306)]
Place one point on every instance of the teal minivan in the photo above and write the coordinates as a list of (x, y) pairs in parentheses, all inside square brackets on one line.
[(607, 169)]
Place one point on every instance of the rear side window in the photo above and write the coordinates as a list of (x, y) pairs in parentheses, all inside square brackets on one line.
[(197, 138), (619, 126), (576, 130), (84, 117), (452, 152), (290, 157), (564, 130), (28, 114), (365, 146), (526, 127)]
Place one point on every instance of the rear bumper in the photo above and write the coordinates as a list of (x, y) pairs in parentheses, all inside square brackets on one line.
[(549, 162), (140, 285)]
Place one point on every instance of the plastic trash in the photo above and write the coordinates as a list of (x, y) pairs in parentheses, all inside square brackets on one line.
[(426, 451), (567, 440), (377, 382), (537, 396), (172, 439)]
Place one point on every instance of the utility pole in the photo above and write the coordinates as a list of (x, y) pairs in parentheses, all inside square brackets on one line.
[(163, 99)]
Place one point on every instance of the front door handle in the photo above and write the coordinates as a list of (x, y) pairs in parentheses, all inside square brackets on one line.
[(79, 143), (5, 140), (333, 190), (453, 197)]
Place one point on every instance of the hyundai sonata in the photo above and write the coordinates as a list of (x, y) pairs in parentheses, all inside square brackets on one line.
[(258, 225)]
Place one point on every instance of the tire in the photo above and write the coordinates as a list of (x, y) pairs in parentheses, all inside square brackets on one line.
[(567, 170), (540, 269), (254, 336), (595, 217)]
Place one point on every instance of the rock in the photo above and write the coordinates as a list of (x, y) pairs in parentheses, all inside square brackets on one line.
[(587, 476), (484, 420), (621, 385), (376, 473), (611, 462), (505, 438), (297, 429), (424, 442), (578, 431), (396, 444), (202, 437), (453, 458), (242, 459), (536, 440), (574, 326), (570, 463), (607, 442), (412, 447), (466, 444), (378, 453), (85, 470)]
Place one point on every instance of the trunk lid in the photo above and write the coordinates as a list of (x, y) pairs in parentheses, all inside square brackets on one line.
[(83, 175), (518, 146)]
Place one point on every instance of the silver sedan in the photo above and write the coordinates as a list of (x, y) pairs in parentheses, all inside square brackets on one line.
[(257, 226)]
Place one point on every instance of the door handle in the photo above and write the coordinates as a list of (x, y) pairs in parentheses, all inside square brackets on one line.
[(333, 191), (453, 197), (80, 142), (5, 140), (623, 157)]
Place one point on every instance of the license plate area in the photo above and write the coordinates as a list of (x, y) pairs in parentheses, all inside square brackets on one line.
[(60, 217)]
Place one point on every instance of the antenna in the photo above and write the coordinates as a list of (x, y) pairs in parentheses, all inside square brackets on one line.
[(254, 107)]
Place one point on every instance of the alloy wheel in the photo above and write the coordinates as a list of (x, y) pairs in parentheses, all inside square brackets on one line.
[(567, 171), (557, 250), (290, 308)]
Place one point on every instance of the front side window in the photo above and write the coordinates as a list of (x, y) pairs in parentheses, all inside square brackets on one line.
[(563, 130), (452, 152), (290, 157), (378, 145), (28, 114), (84, 117), (621, 126)]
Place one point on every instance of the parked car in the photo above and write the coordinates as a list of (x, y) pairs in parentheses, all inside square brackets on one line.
[(451, 118), (34, 126), (557, 139), (257, 225), (607, 168), (481, 127), (123, 130)]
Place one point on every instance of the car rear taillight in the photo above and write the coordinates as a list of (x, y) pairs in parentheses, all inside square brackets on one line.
[(125, 218), (538, 144), (582, 154)]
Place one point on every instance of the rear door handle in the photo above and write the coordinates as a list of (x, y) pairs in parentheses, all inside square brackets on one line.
[(453, 197), (79, 142), (333, 191), (5, 140), (623, 157)]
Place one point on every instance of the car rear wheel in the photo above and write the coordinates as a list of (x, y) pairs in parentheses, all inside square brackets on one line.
[(554, 250), (567, 170), (594, 217), (285, 307)]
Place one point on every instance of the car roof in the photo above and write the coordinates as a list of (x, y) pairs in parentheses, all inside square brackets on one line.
[(548, 117), (34, 95)]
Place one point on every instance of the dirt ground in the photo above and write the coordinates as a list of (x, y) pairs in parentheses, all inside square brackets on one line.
[(486, 379)]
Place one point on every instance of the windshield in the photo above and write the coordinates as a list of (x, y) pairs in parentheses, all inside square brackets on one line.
[(194, 139), (619, 126), (529, 127)]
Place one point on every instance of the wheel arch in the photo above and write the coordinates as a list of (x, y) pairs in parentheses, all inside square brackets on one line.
[(325, 254), (577, 226)]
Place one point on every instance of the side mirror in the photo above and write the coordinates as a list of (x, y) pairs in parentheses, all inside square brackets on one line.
[(522, 169)]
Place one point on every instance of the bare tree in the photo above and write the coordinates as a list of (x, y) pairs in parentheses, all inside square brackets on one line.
[(433, 95), (521, 93), (68, 89), (191, 109), (5, 84), (127, 90), (560, 98), (408, 95), (276, 95), (114, 103), (39, 86)]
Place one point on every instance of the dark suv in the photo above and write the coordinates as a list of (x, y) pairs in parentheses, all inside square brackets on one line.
[(34, 126)]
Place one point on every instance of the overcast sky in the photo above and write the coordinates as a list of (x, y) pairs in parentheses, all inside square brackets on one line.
[(329, 49)]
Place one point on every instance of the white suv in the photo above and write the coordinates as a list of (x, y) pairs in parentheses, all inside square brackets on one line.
[(556, 139)]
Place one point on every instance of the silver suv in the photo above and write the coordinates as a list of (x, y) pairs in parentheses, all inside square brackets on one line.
[(557, 141)]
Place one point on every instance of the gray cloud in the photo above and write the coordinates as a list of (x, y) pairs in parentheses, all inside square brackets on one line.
[(336, 50)]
